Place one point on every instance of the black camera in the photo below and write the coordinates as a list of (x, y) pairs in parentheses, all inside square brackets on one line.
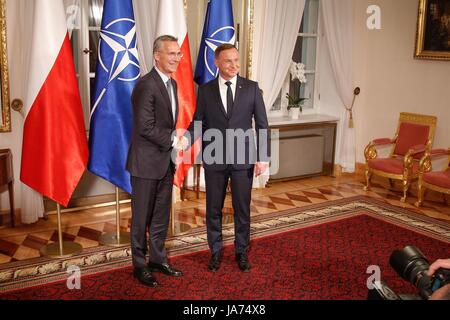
[(412, 265)]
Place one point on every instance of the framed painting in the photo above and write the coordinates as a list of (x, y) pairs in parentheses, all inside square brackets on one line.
[(433, 30)]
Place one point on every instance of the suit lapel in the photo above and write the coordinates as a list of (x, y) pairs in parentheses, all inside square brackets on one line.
[(217, 97), (163, 89)]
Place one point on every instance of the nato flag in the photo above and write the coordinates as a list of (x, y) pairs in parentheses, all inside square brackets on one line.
[(218, 29), (116, 75)]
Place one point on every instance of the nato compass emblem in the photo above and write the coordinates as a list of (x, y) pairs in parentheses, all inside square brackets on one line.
[(218, 37), (118, 54)]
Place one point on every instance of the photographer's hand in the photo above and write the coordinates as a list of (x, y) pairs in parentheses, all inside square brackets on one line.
[(440, 263), (441, 293)]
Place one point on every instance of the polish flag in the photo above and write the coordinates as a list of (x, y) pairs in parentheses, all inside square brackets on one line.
[(54, 150), (172, 21)]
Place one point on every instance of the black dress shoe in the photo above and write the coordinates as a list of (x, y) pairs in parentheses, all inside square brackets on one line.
[(242, 261), (165, 268), (145, 277), (214, 262)]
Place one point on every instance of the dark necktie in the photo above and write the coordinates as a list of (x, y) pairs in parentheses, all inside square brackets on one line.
[(169, 91), (229, 98)]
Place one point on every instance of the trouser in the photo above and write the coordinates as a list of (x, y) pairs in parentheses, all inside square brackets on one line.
[(241, 188), (150, 204)]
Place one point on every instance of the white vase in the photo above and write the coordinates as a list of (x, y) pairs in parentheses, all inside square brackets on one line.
[(295, 112)]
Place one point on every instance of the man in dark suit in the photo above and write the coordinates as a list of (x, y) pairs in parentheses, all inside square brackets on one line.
[(226, 107), (155, 111)]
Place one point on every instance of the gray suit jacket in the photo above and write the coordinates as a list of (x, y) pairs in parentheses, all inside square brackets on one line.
[(153, 124)]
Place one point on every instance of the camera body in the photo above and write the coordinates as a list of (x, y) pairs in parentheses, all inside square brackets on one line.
[(412, 265)]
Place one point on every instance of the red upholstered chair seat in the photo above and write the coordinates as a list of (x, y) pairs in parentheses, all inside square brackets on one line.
[(438, 178), (390, 165)]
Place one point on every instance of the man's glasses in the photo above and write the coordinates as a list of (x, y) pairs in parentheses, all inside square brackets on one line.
[(174, 55)]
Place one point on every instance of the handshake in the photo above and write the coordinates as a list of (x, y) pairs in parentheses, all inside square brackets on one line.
[(180, 143)]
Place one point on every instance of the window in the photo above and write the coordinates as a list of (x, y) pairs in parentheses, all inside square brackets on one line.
[(85, 38), (304, 52)]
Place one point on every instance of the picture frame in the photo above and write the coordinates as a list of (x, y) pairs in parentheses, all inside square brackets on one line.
[(433, 30), (5, 109)]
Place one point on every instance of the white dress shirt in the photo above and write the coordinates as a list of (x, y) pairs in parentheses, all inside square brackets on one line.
[(165, 78), (223, 89)]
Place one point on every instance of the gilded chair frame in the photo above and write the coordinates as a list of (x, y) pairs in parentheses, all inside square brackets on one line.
[(426, 166), (370, 152)]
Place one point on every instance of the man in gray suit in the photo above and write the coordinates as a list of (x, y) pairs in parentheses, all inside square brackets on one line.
[(155, 111)]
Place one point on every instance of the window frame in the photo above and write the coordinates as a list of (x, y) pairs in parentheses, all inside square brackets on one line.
[(83, 56), (282, 111)]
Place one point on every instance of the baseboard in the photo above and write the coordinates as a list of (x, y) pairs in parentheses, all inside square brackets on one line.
[(359, 170), (5, 218)]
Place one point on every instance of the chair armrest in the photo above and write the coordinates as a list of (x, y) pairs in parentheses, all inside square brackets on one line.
[(370, 152), (425, 164), (435, 153), (383, 141), (420, 148)]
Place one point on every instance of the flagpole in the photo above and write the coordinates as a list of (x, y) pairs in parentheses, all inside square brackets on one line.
[(178, 228), (60, 249), (119, 238)]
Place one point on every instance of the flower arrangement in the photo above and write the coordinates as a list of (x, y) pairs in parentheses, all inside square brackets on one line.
[(297, 71)]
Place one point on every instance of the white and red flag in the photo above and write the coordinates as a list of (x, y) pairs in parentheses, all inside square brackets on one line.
[(172, 21), (54, 150)]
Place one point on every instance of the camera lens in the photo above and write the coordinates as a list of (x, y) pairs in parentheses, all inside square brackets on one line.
[(411, 265)]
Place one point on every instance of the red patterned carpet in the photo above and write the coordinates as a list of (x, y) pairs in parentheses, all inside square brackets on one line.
[(325, 261)]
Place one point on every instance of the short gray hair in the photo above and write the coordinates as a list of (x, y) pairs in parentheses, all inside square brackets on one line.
[(157, 45)]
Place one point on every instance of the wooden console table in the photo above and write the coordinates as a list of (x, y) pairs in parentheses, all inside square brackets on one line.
[(306, 146), (7, 177)]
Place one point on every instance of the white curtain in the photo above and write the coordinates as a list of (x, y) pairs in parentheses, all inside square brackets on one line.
[(145, 14), (73, 13), (19, 15), (338, 26), (277, 24)]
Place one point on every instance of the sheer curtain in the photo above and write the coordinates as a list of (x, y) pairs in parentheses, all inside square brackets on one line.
[(20, 13), (145, 14), (338, 27), (278, 23), (73, 13)]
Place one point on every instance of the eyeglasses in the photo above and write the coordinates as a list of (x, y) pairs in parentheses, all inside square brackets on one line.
[(174, 55)]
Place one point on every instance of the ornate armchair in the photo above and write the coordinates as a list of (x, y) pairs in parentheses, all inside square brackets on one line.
[(415, 134), (434, 180)]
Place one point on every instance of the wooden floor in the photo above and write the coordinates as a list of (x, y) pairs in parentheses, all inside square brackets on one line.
[(24, 241)]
